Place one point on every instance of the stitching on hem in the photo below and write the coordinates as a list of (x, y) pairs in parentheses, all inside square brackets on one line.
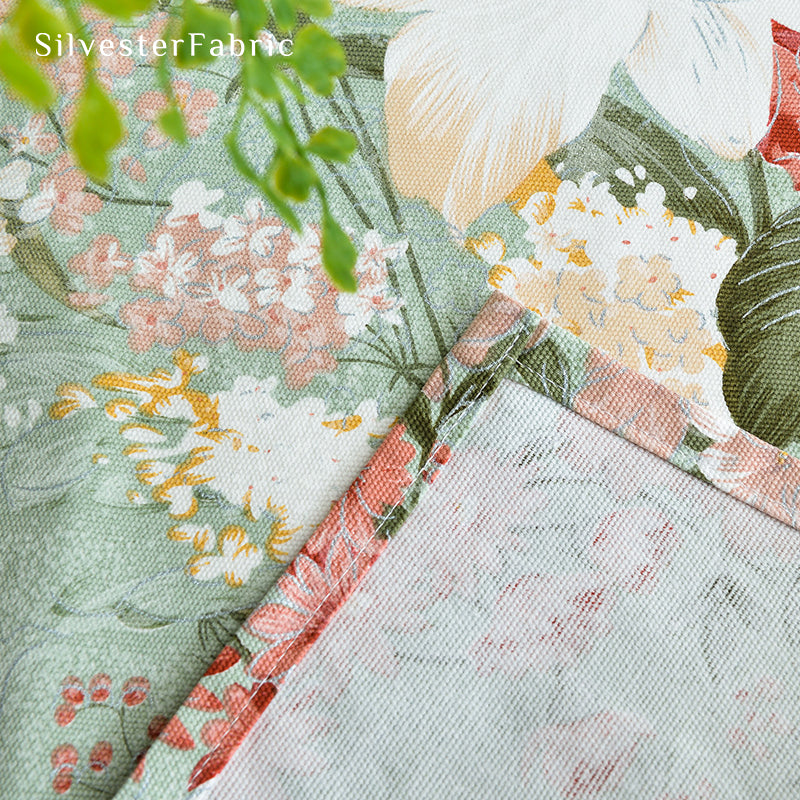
[(767, 504), (500, 362)]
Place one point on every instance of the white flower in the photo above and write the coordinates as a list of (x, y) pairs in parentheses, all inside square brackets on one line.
[(372, 259), (490, 115), (307, 248), (14, 180), (161, 266), (252, 460), (236, 229), (9, 326), (373, 294), (193, 198), (267, 279), (234, 559), (228, 294), (39, 206), (31, 136), (296, 297)]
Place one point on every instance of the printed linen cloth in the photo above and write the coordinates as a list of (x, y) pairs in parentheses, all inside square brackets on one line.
[(184, 397)]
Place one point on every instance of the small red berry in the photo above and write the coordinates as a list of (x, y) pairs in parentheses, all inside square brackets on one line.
[(65, 714), (101, 756), (441, 453), (72, 690), (135, 691), (100, 688), (64, 755), (62, 782)]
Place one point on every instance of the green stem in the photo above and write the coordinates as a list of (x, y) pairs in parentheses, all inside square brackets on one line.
[(759, 193), (335, 174), (107, 198), (121, 713), (373, 158)]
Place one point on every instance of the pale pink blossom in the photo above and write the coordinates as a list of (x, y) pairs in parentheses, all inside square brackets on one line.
[(167, 267), (62, 198), (194, 103), (633, 546), (31, 137), (133, 168), (101, 261), (589, 756), (152, 321), (544, 621)]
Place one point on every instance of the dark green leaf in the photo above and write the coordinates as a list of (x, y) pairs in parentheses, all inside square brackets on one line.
[(620, 138), (365, 54), (695, 440), (294, 177), (133, 617), (30, 19), (546, 369), (171, 122), (338, 254), (122, 8), (318, 58), (419, 422), (97, 130), (23, 78), (206, 24), (332, 144), (36, 261), (759, 318)]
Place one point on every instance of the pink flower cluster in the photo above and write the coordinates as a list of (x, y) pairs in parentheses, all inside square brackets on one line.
[(245, 278)]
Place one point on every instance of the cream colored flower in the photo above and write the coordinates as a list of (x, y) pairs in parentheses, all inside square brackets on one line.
[(478, 93), (650, 284)]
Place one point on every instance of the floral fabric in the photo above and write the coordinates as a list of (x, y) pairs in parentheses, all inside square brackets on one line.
[(551, 634), (504, 343)]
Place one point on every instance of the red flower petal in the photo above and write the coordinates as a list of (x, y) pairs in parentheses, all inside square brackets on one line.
[(176, 736), (213, 762), (225, 660), (203, 700)]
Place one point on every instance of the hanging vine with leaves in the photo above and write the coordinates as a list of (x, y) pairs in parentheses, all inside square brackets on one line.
[(266, 80)]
